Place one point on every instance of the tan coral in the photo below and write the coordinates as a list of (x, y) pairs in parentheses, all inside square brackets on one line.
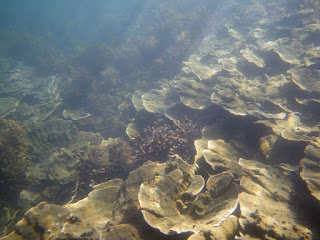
[(286, 51), (251, 57), (223, 156), (242, 96), (202, 71), (137, 101), (148, 172), (306, 79), (7, 105), (265, 203), (131, 131), (120, 232), (43, 216), (291, 128), (193, 94), (167, 205), (310, 169), (266, 144), (156, 101), (227, 230), (75, 114), (93, 216), (23, 81), (87, 213)]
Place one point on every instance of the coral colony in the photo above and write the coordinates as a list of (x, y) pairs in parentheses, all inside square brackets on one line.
[(164, 138)]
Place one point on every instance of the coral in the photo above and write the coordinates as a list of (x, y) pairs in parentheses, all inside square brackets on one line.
[(268, 205), (163, 138), (221, 156), (171, 202), (8, 105), (310, 168), (312, 3), (116, 209), (266, 144), (8, 220), (98, 163), (15, 157), (258, 65), (27, 100), (91, 166)]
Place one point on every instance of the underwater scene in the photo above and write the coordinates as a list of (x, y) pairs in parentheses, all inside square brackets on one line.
[(159, 120)]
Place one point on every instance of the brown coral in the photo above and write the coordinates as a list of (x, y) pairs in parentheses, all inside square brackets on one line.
[(99, 163), (15, 157), (164, 138)]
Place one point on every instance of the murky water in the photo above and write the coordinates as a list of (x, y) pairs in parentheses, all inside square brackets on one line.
[(159, 119)]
